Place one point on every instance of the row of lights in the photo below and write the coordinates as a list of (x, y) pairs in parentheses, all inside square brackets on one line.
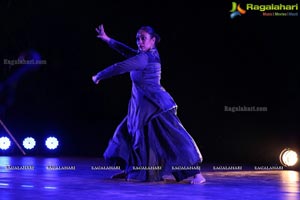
[(29, 143), (287, 157)]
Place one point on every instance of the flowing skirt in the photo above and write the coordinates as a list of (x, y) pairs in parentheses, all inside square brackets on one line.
[(159, 146)]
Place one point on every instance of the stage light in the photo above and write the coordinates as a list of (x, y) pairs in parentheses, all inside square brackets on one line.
[(51, 143), (4, 143), (288, 157), (29, 143)]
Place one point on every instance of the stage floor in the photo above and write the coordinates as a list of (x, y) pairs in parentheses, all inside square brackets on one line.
[(86, 178)]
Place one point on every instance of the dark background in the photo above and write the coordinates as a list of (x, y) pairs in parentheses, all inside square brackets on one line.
[(208, 61)]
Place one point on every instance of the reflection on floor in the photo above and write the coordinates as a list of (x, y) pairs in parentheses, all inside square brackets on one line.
[(86, 178)]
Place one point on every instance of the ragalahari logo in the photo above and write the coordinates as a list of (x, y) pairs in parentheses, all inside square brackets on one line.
[(236, 10)]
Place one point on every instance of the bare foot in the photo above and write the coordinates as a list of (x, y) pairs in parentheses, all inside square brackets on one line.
[(133, 180), (198, 179), (168, 178), (121, 175)]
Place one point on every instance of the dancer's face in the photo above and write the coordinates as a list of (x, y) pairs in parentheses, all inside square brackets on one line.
[(144, 41)]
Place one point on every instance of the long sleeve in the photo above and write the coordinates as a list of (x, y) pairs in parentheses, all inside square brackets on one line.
[(137, 62), (123, 49)]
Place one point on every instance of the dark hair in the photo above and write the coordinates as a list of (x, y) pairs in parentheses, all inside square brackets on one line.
[(151, 32)]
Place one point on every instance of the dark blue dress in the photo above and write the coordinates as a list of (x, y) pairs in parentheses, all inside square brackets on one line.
[(151, 141)]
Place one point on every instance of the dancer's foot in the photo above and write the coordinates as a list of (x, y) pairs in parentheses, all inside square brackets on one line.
[(198, 179), (120, 175), (168, 178), (133, 180)]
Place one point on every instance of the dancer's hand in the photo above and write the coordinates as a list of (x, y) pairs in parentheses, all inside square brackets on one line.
[(95, 79), (101, 33)]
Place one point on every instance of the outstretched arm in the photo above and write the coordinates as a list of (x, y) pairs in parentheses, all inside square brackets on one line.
[(123, 49), (138, 62)]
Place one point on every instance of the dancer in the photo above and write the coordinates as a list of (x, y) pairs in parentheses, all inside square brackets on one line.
[(150, 143)]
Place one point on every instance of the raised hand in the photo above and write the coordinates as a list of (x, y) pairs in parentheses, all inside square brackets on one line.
[(95, 80), (101, 33)]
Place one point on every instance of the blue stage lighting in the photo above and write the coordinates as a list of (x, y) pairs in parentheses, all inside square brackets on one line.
[(4, 143), (51, 143), (29, 143)]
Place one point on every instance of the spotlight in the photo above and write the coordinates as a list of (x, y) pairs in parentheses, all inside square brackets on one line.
[(4, 143), (288, 157), (51, 143), (29, 143)]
